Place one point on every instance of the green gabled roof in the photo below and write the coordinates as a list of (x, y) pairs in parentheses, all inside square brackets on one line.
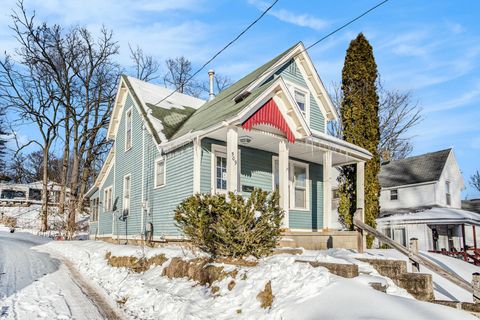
[(223, 107)]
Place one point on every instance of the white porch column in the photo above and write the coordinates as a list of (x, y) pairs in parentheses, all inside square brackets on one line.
[(327, 188), (197, 154), (232, 159), (283, 175), (361, 201)]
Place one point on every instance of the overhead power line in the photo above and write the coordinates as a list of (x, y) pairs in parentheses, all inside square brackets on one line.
[(313, 44), (223, 49)]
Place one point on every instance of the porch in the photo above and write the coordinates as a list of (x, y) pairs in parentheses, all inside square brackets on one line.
[(234, 159)]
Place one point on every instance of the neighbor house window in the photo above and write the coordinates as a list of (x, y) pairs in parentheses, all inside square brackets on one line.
[(335, 194), (107, 199), (299, 183), (126, 193), (128, 130), (159, 173), (447, 193), (394, 194)]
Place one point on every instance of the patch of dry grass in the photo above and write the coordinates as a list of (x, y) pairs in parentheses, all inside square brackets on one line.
[(133, 263), (266, 296)]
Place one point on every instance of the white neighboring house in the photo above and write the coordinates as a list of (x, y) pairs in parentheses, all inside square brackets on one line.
[(421, 198)]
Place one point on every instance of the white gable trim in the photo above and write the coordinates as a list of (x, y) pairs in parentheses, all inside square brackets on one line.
[(277, 90), (119, 105), (311, 78), (287, 106)]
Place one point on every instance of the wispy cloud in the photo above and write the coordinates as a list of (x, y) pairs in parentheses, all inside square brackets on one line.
[(301, 20), (469, 96)]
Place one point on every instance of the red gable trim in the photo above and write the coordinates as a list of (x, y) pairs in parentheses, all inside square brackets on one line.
[(269, 114)]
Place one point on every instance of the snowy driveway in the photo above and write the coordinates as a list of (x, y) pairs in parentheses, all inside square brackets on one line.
[(34, 285)]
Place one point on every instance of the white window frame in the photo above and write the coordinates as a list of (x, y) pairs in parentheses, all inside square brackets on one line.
[(161, 159), (292, 87), (291, 186), (107, 199), (274, 168), (129, 137), (216, 149), (397, 194), (129, 176), (292, 183), (94, 209), (448, 194)]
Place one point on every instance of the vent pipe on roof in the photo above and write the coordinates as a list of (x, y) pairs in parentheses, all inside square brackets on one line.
[(211, 74)]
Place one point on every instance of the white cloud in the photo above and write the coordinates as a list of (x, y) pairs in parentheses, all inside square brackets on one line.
[(460, 101), (301, 20)]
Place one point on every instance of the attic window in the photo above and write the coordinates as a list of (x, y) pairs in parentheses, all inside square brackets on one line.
[(447, 193), (301, 99)]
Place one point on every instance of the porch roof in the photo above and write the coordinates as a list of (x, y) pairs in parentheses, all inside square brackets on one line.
[(433, 216)]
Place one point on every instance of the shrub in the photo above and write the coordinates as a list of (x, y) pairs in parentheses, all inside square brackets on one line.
[(232, 226)]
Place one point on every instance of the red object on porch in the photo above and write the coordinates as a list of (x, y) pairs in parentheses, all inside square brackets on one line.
[(270, 114)]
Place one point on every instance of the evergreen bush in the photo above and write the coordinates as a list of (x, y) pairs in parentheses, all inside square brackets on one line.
[(231, 225)]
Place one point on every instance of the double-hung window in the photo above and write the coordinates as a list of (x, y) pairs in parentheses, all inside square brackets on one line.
[(159, 173), (298, 183), (447, 193), (394, 194), (299, 186), (107, 199), (126, 194), (301, 99), (128, 129), (94, 209)]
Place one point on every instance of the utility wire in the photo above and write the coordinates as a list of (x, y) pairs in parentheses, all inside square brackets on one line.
[(310, 46), (346, 24), (223, 49)]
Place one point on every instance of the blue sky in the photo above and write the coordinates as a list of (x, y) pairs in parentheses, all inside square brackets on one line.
[(431, 48)]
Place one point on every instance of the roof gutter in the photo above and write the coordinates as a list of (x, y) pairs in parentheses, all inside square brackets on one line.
[(330, 142)]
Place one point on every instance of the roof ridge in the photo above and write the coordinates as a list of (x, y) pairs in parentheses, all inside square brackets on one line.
[(418, 156), (226, 95)]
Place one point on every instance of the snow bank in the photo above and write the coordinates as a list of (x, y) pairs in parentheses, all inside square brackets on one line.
[(301, 291), (443, 289)]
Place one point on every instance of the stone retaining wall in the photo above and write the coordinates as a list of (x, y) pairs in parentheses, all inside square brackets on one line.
[(320, 240)]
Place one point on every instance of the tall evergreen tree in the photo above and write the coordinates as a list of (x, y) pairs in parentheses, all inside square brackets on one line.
[(359, 112)]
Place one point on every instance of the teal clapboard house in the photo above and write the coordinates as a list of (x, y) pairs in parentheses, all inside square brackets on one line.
[(268, 130)]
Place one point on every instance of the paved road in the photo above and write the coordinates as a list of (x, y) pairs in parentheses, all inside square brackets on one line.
[(34, 285)]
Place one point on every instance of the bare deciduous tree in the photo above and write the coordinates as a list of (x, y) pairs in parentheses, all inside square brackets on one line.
[(145, 66), (475, 180), (221, 83), (179, 72), (68, 87), (397, 115)]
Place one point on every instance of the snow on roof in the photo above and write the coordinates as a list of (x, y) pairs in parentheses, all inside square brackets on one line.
[(434, 215), (152, 94)]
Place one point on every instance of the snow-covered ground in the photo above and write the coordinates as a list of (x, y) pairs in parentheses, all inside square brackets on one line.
[(444, 289), (28, 220), (301, 291), (35, 286)]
